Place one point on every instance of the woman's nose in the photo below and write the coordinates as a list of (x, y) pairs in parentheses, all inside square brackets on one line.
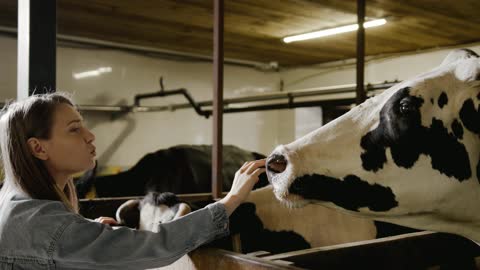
[(89, 136)]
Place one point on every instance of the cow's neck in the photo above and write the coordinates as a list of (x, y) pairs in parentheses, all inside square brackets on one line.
[(461, 217)]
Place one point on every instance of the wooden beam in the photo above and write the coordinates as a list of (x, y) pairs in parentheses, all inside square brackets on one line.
[(93, 208), (217, 149), (37, 30), (419, 250), (208, 258)]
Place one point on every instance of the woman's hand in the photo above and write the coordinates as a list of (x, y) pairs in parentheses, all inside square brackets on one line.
[(106, 220), (245, 178)]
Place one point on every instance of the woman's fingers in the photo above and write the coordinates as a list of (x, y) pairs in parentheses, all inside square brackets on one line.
[(255, 165), (106, 220), (254, 177), (259, 171), (244, 167)]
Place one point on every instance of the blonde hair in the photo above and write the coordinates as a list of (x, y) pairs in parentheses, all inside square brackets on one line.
[(19, 121)]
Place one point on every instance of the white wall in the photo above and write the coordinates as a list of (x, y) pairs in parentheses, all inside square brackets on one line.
[(123, 140), (8, 68)]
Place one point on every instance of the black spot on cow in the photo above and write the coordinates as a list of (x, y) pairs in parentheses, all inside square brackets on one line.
[(442, 100), (245, 221), (350, 193), (470, 116), (401, 131), (457, 129), (449, 156), (375, 157), (166, 198)]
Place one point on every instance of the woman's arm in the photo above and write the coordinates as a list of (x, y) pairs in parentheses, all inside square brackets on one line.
[(245, 178), (82, 244)]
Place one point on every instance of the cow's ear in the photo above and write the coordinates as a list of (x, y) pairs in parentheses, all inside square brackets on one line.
[(183, 209), (128, 214), (459, 54)]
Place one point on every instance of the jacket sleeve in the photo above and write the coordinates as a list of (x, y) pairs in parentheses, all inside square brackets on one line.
[(82, 244)]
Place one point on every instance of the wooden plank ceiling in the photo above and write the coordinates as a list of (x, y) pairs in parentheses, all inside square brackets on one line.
[(254, 28)]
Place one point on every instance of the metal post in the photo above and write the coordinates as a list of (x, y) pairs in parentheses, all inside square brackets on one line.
[(37, 30), (217, 100), (361, 95)]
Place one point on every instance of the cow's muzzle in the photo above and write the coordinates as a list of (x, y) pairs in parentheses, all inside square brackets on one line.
[(276, 164)]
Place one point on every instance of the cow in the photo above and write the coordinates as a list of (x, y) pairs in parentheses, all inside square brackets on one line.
[(408, 156), (260, 221), (178, 169)]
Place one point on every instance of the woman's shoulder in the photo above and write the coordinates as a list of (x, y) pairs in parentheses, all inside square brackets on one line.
[(28, 226), (38, 213)]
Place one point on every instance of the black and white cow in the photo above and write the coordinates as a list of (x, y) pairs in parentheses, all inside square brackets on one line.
[(178, 169), (408, 156), (260, 222)]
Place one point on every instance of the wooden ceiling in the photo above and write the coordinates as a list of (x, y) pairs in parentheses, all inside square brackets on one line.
[(254, 28)]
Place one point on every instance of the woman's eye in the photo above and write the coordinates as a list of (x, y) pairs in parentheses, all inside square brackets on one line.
[(75, 129)]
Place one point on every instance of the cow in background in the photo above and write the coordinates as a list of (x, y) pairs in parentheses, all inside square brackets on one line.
[(180, 169), (262, 222), (409, 156)]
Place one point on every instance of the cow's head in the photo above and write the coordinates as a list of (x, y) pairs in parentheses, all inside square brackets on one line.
[(154, 209), (408, 153)]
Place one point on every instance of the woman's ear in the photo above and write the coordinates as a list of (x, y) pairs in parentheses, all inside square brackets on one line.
[(37, 149)]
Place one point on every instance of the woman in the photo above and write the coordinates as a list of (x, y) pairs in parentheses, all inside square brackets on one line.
[(44, 142)]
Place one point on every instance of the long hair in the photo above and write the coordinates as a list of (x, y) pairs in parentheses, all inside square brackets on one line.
[(23, 172)]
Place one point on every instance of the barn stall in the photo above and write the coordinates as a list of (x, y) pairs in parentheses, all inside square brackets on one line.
[(404, 252), (340, 248)]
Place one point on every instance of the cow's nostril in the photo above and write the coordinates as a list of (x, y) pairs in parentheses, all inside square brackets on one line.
[(277, 164)]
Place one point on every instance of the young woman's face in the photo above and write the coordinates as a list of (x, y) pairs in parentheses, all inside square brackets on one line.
[(70, 147)]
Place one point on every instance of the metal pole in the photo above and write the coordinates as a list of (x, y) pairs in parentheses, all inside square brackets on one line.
[(37, 29), (318, 91), (217, 100), (361, 95)]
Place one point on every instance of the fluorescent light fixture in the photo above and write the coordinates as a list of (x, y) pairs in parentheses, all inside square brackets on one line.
[(92, 73), (334, 31)]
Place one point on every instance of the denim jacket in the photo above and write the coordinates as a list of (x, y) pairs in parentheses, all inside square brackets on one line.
[(42, 234)]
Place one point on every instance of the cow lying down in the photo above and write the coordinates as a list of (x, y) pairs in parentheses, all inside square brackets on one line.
[(261, 222)]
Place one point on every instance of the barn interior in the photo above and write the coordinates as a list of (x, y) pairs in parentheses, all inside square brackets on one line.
[(107, 54)]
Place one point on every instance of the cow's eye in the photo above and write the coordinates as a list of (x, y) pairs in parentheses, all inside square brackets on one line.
[(407, 106)]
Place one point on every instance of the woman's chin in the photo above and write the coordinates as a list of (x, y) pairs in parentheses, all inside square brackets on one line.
[(92, 164), (89, 165)]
